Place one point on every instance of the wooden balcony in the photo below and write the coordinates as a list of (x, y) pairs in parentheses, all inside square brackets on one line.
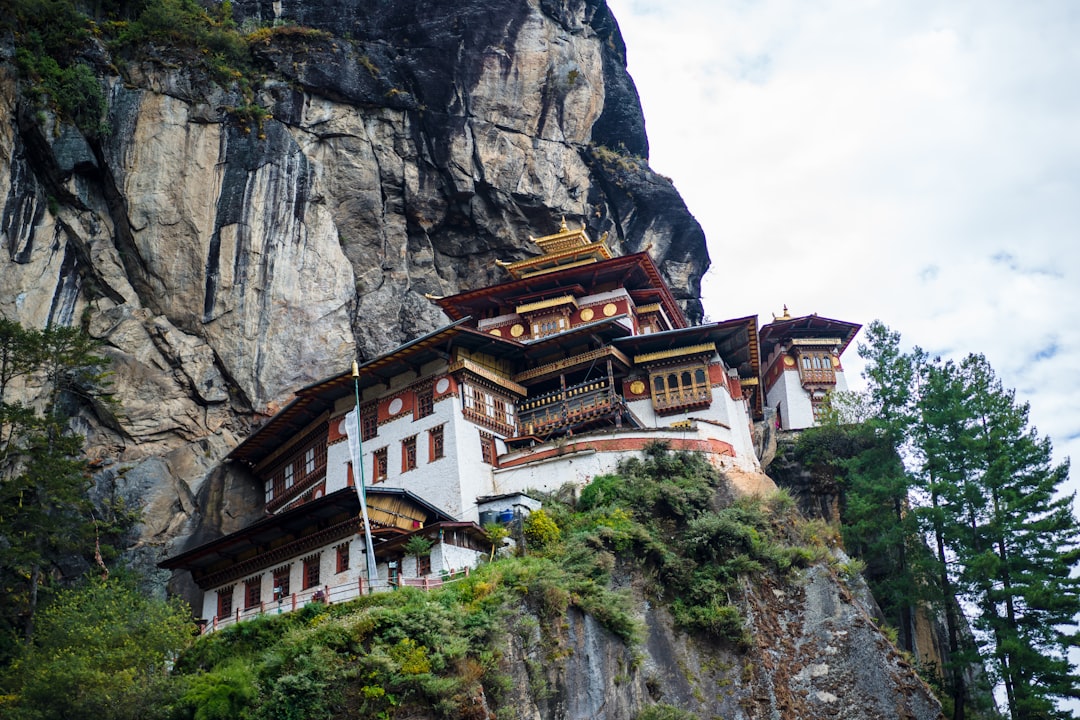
[(680, 399), (817, 377), (562, 409)]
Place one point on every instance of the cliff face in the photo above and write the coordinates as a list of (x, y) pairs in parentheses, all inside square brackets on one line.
[(226, 258), (815, 653)]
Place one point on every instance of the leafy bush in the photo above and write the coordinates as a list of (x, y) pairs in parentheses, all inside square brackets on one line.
[(101, 650), (540, 530), (665, 712), (222, 694)]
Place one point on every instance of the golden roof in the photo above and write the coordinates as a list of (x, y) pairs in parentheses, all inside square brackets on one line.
[(566, 248)]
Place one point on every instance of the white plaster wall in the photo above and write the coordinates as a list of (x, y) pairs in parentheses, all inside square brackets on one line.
[(436, 482), (576, 469), (787, 392), (841, 382), (446, 557), (605, 297)]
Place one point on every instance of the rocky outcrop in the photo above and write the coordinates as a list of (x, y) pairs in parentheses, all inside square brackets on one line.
[(230, 248), (815, 653)]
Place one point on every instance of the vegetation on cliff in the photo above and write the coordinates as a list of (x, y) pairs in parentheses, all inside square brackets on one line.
[(658, 523), (62, 47), (953, 500)]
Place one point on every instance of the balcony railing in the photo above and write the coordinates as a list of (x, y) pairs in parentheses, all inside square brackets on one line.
[(563, 408), (818, 377), (677, 399)]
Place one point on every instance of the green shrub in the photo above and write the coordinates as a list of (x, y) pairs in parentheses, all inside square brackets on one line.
[(665, 712), (540, 530), (222, 694)]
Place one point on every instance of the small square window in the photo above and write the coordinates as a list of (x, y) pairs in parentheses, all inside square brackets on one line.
[(381, 466), (435, 444), (425, 401), (408, 454), (252, 593), (311, 571)]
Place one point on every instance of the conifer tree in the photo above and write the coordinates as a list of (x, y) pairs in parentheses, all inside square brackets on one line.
[(45, 515), (1019, 547)]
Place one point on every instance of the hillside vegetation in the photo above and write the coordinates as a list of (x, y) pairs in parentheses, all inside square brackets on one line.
[(656, 525)]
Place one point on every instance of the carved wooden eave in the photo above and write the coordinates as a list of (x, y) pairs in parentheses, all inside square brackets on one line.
[(532, 307), (704, 349), (588, 358), (301, 529), (479, 371)]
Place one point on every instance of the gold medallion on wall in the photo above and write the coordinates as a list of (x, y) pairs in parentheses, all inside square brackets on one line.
[(637, 387), (610, 309), (496, 332), (517, 330), (587, 314)]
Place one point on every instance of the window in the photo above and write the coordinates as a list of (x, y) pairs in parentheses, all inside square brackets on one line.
[(311, 571), (425, 401), (423, 565), (408, 454), (252, 592), (548, 325), (369, 423), (678, 389), (224, 601), (435, 443), (817, 367), (281, 582), (309, 461), (343, 557), (269, 490), (288, 476), (380, 466), (487, 448), (486, 407)]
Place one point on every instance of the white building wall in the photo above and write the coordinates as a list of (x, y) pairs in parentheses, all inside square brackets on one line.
[(732, 415), (437, 482), (787, 393)]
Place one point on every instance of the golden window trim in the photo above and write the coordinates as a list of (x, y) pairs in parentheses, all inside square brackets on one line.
[(694, 391)]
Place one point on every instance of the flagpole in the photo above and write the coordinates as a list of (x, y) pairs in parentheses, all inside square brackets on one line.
[(372, 568)]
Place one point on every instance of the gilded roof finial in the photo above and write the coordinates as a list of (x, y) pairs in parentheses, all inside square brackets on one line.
[(562, 225), (785, 316)]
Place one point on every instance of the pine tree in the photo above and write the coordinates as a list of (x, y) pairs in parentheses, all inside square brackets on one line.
[(1021, 547), (45, 516)]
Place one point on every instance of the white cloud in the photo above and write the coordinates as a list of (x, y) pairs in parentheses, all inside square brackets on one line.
[(916, 162)]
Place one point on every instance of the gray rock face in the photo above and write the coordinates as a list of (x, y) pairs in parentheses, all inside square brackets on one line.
[(225, 261), (815, 654)]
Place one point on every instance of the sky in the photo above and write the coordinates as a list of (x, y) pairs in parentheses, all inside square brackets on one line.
[(908, 161)]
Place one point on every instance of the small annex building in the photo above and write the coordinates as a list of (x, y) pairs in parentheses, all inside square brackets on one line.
[(551, 377), (802, 365)]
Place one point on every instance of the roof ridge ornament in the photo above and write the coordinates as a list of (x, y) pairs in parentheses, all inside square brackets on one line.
[(785, 316)]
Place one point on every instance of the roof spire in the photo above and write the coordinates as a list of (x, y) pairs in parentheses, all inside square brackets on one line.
[(785, 316), (562, 225)]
